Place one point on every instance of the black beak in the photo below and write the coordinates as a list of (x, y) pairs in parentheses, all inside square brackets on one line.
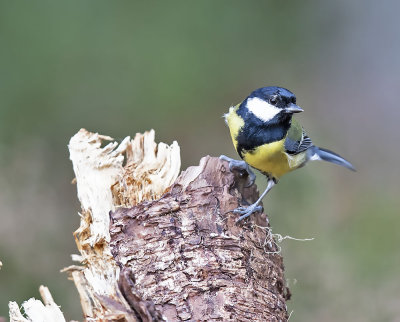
[(293, 108)]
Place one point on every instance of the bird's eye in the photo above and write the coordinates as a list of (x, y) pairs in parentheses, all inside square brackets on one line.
[(274, 100), (294, 100)]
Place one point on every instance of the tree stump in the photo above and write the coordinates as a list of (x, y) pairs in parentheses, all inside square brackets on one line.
[(184, 258), (158, 247)]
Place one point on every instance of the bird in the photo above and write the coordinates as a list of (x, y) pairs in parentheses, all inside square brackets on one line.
[(268, 138)]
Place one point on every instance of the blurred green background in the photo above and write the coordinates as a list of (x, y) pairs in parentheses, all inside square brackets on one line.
[(120, 67)]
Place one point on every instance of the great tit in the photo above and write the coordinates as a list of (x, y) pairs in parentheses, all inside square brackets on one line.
[(269, 139)]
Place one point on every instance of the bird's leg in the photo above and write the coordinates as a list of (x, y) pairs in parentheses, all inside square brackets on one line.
[(247, 211), (242, 167)]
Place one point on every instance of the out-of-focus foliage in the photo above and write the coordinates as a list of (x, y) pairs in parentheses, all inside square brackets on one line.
[(176, 66)]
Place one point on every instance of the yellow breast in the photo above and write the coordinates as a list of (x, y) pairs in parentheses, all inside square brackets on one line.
[(271, 159), (268, 158)]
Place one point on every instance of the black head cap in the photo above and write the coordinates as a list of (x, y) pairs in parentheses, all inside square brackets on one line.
[(277, 96)]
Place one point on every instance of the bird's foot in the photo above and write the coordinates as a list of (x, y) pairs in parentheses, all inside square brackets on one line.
[(242, 168), (246, 211)]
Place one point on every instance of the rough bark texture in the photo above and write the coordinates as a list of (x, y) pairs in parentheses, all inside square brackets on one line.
[(184, 258)]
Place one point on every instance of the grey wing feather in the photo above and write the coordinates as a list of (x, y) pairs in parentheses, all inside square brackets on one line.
[(295, 146)]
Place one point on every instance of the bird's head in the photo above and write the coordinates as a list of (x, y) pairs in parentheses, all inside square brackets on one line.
[(271, 103)]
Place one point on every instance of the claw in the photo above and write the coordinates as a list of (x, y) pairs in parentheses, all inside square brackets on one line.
[(251, 178), (246, 211), (242, 168)]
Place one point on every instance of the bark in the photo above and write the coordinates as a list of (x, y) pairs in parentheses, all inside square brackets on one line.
[(184, 258)]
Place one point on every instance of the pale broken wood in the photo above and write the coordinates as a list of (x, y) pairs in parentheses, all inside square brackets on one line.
[(37, 311), (15, 313), (108, 177), (150, 169)]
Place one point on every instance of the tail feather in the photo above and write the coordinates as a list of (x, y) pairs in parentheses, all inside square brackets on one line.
[(316, 153)]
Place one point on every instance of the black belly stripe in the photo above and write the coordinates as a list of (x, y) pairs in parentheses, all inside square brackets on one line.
[(255, 133)]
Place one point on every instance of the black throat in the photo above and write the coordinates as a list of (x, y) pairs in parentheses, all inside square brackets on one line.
[(256, 132)]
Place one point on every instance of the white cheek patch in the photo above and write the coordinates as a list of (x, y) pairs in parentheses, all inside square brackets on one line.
[(262, 109)]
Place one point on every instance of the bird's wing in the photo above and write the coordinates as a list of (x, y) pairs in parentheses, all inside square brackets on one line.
[(297, 140)]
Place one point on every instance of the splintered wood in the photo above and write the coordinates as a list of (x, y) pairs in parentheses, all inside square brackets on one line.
[(35, 310), (108, 177), (150, 169)]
